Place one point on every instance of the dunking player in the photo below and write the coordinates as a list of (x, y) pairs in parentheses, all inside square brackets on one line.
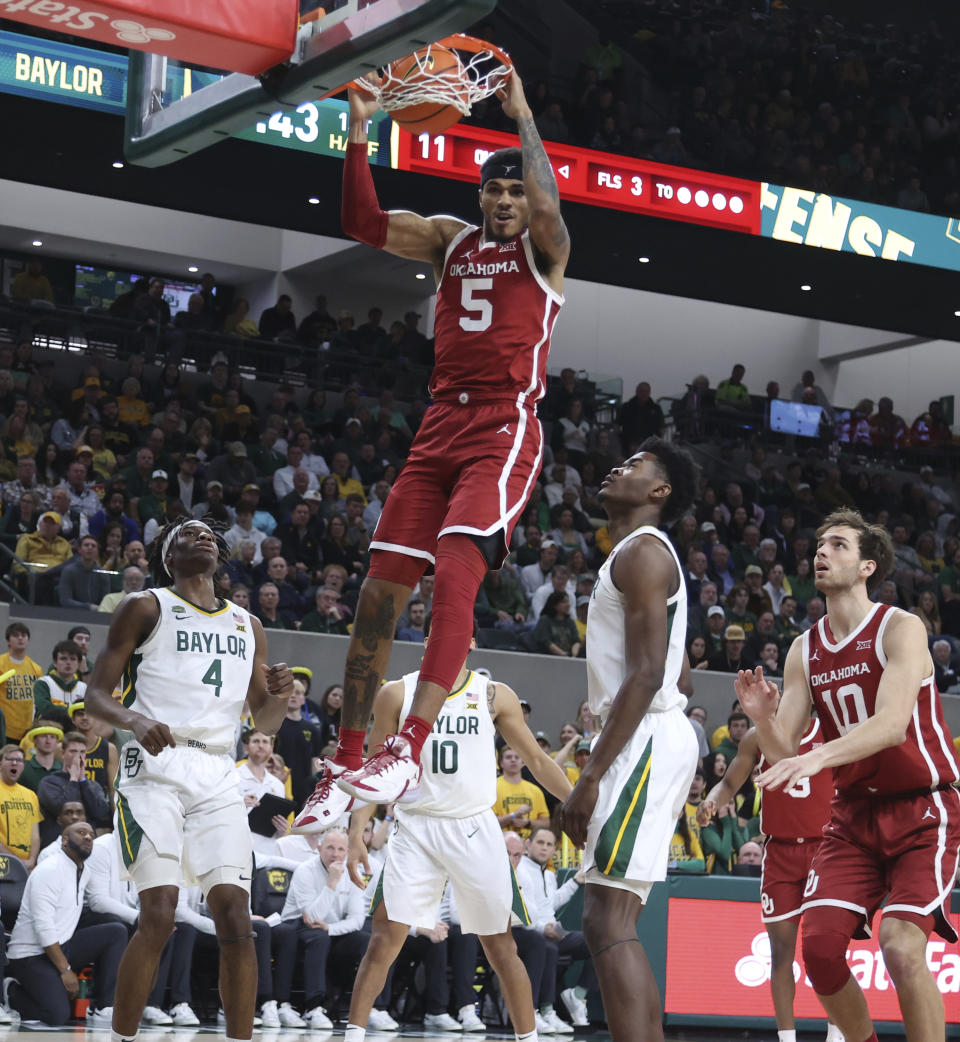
[(189, 659), (479, 448), (627, 799), (792, 820), (894, 829), (446, 834)]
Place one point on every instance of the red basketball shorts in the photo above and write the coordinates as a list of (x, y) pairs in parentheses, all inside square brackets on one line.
[(903, 849), (785, 868), (470, 469)]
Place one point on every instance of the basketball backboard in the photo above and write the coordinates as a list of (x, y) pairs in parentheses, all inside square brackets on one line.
[(174, 111)]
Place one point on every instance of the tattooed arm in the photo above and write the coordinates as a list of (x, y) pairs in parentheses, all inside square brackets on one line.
[(547, 230)]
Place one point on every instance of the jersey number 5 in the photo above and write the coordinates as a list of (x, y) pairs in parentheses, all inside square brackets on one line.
[(482, 309), (212, 677)]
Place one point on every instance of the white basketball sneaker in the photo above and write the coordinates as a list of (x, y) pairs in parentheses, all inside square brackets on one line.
[(326, 805), (576, 1007), (386, 777), (469, 1020)]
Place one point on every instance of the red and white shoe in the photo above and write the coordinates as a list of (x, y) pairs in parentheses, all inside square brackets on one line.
[(326, 805), (386, 777)]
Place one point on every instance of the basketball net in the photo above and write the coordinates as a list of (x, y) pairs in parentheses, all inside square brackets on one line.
[(483, 69)]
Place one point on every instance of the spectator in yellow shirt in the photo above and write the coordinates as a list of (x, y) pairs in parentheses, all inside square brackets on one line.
[(20, 815), (131, 408), (32, 284), (521, 805), (16, 693), (340, 466)]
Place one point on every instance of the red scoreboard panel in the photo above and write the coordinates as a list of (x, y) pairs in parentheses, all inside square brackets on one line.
[(597, 178)]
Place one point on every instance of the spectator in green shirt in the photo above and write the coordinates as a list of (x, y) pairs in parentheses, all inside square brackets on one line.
[(732, 391)]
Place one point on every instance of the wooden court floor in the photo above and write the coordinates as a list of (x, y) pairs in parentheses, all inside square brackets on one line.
[(73, 1033)]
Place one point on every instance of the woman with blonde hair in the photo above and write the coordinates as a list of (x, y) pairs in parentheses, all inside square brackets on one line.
[(928, 612)]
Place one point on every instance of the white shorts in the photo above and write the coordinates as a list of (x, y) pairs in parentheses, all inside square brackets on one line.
[(425, 852), (640, 798), (181, 820)]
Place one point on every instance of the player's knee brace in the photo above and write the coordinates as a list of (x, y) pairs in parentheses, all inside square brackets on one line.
[(825, 957), (460, 569)]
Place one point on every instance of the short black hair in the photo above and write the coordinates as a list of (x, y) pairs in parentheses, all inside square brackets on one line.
[(65, 647), (16, 629), (680, 471), (78, 629)]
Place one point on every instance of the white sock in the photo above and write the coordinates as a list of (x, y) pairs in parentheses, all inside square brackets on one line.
[(834, 1034), (354, 1033), (787, 1036), (115, 1036), (229, 1039), (530, 1036)]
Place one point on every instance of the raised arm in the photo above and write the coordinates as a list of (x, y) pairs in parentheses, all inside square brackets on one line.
[(131, 624), (508, 718), (646, 574), (401, 232), (779, 730), (547, 231), (908, 665)]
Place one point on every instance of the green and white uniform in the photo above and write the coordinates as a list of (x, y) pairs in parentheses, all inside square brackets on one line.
[(448, 832), (180, 815), (644, 789)]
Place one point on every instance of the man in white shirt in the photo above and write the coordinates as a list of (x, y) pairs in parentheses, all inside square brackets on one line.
[(243, 530), (283, 478), (559, 582), (373, 510), (330, 911), (46, 944), (533, 576), (256, 782), (543, 899)]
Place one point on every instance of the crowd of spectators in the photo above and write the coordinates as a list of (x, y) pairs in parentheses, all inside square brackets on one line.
[(863, 106)]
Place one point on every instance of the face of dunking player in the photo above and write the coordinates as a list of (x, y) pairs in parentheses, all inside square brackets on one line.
[(505, 209), (194, 550)]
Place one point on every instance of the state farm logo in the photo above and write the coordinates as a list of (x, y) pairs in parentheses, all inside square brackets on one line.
[(68, 17), (754, 969), (134, 32), (866, 965)]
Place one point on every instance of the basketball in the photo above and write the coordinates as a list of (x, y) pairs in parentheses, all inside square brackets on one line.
[(430, 117)]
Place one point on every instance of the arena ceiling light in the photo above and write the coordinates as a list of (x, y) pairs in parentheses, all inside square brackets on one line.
[(806, 287), (37, 242), (193, 269), (957, 314), (117, 165), (419, 275), (644, 260), (313, 201)]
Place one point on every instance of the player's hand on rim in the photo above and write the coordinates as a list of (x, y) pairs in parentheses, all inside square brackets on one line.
[(363, 105), (512, 97), (757, 695), (279, 679), (152, 735)]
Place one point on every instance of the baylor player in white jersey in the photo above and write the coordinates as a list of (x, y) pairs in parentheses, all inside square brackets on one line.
[(631, 790), (186, 660), (448, 833)]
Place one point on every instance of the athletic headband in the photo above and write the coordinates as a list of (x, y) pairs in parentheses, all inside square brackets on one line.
[(498, 166), (171, 535)]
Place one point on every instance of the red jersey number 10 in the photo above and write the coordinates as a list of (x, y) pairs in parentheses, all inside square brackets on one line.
[(851, 705)]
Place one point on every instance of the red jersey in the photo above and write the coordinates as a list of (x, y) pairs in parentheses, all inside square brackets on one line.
[(495, 313), (801, 811), (844, 678)]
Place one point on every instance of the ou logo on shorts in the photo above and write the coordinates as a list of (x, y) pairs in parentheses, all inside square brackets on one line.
[(813, 881), (766, 903), (133, 32)]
